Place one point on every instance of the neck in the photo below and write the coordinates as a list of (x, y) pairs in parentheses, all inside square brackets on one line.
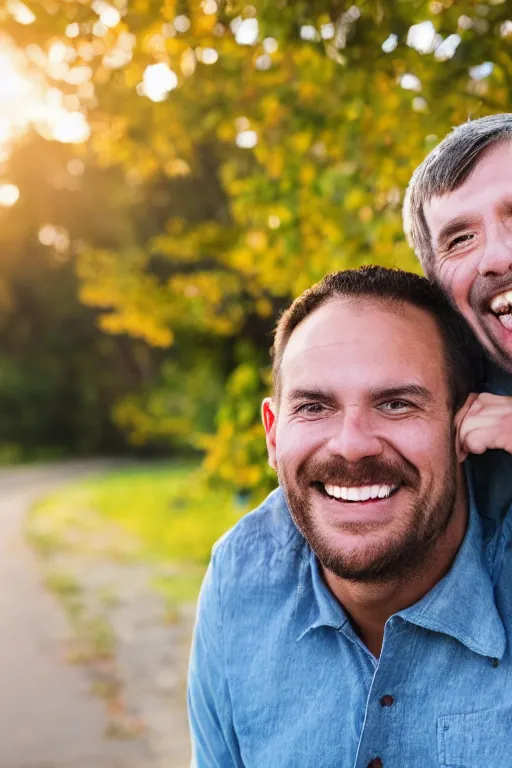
[(370, 605)]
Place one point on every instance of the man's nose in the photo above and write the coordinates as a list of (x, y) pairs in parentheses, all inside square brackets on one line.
[(497, 257), (354, 439)]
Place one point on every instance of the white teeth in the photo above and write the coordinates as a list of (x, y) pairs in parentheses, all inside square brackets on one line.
[(501, 303), (362, 493)]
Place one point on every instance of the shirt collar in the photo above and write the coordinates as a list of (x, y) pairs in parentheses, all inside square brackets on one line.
[(461, 605), (316, 605)]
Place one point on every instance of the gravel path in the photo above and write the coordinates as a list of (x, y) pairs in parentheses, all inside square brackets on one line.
[(48, 715)]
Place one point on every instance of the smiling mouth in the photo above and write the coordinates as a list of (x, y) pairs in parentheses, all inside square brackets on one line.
[(357, 494), (501, 307)]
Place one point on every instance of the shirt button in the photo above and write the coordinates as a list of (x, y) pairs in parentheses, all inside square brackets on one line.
[(376, 763), (387, 701)]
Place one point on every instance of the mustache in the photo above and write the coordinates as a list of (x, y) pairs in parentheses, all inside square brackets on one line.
[(369, 471), (484, 288)]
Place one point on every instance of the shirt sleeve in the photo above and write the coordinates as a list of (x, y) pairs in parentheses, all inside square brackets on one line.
[(214, 741)]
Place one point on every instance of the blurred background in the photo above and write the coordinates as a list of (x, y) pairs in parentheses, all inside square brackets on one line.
[(172, 174)]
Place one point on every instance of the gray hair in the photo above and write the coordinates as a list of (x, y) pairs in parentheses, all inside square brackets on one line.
[(444, 170)]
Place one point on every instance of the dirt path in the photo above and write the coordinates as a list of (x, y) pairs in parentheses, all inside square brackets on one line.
[(48, 716)]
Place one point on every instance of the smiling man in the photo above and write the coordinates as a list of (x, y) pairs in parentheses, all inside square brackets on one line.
[(361, 617), (458, 219)]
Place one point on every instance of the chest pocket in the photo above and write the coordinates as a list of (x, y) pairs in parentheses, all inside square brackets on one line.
[(475, 740)]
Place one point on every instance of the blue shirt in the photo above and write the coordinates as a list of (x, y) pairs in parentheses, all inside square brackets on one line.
[(279, 678)]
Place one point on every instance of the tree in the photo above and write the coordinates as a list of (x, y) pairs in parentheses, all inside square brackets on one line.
[(273, 144)]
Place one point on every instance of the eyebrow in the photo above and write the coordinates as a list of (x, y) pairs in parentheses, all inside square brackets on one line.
[(396, 392), (454, 227), (311, 394), (403, 390), (505, 206), (460, 223)]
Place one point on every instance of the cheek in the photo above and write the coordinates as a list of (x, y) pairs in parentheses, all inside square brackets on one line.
[(437, 459), (423, 445), (456, 278), (296, 441)]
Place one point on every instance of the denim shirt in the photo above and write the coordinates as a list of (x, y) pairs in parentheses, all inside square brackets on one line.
[(279, 678)]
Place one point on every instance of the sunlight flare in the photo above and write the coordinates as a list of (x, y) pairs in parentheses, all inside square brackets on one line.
[(9, 195), (27, 102)]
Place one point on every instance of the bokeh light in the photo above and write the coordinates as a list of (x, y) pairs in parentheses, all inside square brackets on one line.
[(26, 100), (158, 80), (246, 30), (9, 195), (54, 237), (109, 15), (410, 82), (423, 37), (246, 139), (20, 12)]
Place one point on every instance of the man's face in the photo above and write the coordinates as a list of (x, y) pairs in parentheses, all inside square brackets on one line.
[(363, 437), (471, 231)]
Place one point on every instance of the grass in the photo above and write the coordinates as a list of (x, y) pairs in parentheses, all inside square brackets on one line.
[(163, 514), (96, 638), (167, 510), (97, 641), (67, 588), (163, 517)]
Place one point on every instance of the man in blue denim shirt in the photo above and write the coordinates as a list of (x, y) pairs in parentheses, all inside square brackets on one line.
[(361, 617)]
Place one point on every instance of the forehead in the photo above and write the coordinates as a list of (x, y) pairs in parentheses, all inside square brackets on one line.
[(489, 181), (364, 343)]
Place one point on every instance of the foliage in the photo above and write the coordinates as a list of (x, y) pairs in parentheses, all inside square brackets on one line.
[(181, 401), (165, 513), (282, 153), (59, 375)]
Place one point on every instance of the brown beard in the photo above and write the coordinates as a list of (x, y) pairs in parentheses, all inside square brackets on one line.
[(425, 522)]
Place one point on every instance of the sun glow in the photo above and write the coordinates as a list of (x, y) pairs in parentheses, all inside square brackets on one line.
[(27, 102), (9, 195)]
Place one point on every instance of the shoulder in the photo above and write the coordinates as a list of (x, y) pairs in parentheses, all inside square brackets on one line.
[(253, 578), (261, 552), (268, 528)]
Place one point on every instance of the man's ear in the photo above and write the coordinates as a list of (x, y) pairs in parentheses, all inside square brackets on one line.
[(460, 449), (269, 422)]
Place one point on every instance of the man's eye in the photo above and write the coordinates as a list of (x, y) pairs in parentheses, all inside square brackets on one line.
[(311, 409), (396, 406), (460, 240)]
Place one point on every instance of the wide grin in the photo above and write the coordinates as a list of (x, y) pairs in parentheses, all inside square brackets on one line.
[(359, 493), (501, 307)]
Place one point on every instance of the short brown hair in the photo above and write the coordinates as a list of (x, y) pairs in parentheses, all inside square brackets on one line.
[(463, 358), (444, 170)]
